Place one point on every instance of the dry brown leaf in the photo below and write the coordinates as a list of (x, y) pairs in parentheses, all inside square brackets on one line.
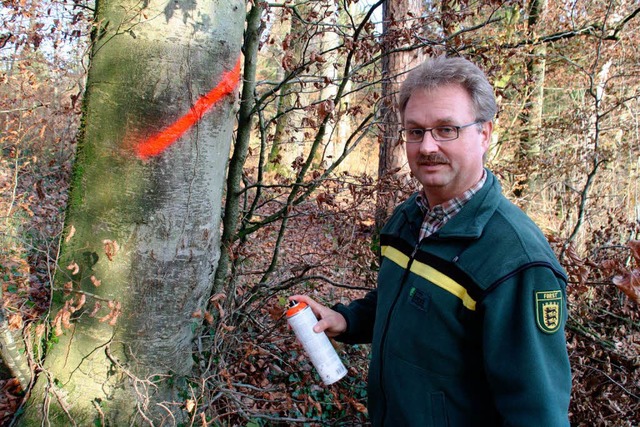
[(57, 323), (315, 57), (227, 328), (40, 329), (325, 109), (72, 231), (66, 319), (217, 297), (96, 307), (275, 312), (208, 317), (15, 321), (190, 405), (360, 407), (629, 283), (115, 314), (81, 300), (608, 267), (95, 281), (220, 309), (74, 267), (573, 255), (111, 248), (105, 317)]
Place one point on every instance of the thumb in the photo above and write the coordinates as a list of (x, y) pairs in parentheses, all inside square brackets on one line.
[(321, 326)]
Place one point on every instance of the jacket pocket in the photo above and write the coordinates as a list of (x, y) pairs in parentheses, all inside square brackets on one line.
[(419, 299)]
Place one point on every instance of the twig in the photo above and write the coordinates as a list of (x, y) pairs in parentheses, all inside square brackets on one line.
[(140, 406), (51, 387), (13, 110), (13, 192), (581, 329), (81, 292), (624, 319), (299, 279), (168, 411), (613, 381), (97, 406)]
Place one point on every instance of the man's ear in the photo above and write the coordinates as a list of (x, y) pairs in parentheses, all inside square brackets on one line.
[(487, 130)]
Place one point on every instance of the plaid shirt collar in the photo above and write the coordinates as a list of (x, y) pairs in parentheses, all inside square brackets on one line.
[(435, 218)]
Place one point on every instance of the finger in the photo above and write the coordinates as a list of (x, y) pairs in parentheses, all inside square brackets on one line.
[(301, 298), (316, 307)]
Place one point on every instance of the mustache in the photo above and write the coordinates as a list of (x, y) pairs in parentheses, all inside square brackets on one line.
[(432, 158)]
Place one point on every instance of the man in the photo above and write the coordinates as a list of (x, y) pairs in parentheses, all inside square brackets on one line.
[(467, 321)]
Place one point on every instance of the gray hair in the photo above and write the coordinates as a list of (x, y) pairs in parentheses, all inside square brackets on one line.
[(443, 70)]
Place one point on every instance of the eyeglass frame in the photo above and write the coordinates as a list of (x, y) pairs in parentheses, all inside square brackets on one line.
[(430, 130)]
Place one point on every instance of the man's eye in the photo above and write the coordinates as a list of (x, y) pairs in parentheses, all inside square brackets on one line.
[(415, 133), (445, 131)]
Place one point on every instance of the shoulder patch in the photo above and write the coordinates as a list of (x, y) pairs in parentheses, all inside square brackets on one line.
[(548, 310)]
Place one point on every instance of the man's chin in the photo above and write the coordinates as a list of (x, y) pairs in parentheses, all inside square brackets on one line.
[(432, 182), (432, 175)]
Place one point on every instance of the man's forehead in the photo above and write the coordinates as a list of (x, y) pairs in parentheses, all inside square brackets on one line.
[(438, 121), (443, 104)]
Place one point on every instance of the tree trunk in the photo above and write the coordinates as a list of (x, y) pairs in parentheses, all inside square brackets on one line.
[(392, 161), (288, 138), (232, 212), (142, 229), (12, 353), (337, 131), (531, 116)]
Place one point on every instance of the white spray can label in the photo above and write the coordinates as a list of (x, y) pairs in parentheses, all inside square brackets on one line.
[(317, 345)]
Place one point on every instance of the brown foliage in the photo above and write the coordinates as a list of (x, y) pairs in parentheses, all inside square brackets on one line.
[(629, 281)]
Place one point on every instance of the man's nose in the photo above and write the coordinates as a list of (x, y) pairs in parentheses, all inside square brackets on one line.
[(428, 144)]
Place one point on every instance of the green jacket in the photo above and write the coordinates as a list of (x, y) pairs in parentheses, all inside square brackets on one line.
[(466, 326)]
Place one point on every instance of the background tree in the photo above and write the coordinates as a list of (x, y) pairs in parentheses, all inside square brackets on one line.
[(288, 138), (533, 104), (400, 21), (142, 226)]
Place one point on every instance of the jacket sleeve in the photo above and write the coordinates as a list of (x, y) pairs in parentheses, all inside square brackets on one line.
[(525, 353), (360, 315)]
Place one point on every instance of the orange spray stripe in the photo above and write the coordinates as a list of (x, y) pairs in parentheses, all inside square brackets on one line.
[(159, 142)]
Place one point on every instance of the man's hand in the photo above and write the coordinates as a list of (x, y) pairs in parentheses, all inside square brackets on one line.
[(331, 322)]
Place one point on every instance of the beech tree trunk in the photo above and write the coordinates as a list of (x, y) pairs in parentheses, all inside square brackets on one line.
[(142, 229)]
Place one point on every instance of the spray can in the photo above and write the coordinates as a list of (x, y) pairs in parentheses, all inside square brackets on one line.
[(317, 345)]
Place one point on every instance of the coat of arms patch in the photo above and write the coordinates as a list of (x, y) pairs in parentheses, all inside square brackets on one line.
[(548, 310)]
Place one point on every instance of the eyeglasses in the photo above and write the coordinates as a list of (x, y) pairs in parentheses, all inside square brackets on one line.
[(439, 133)]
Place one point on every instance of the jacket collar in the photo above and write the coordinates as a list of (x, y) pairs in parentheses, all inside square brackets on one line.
[(471, 220)]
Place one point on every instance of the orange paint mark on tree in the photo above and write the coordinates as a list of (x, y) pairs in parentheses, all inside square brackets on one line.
[(159, 142)]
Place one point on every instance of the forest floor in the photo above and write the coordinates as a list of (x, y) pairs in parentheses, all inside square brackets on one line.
[(328, 253)]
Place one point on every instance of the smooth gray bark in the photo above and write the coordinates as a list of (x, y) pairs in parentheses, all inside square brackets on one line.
[(147, 229)]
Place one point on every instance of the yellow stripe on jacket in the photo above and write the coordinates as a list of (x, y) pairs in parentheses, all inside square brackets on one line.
[(431, 274)]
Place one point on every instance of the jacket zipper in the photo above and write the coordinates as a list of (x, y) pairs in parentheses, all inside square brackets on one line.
[(383, 340)]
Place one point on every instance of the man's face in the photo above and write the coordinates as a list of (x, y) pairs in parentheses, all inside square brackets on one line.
[(446, 169)]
